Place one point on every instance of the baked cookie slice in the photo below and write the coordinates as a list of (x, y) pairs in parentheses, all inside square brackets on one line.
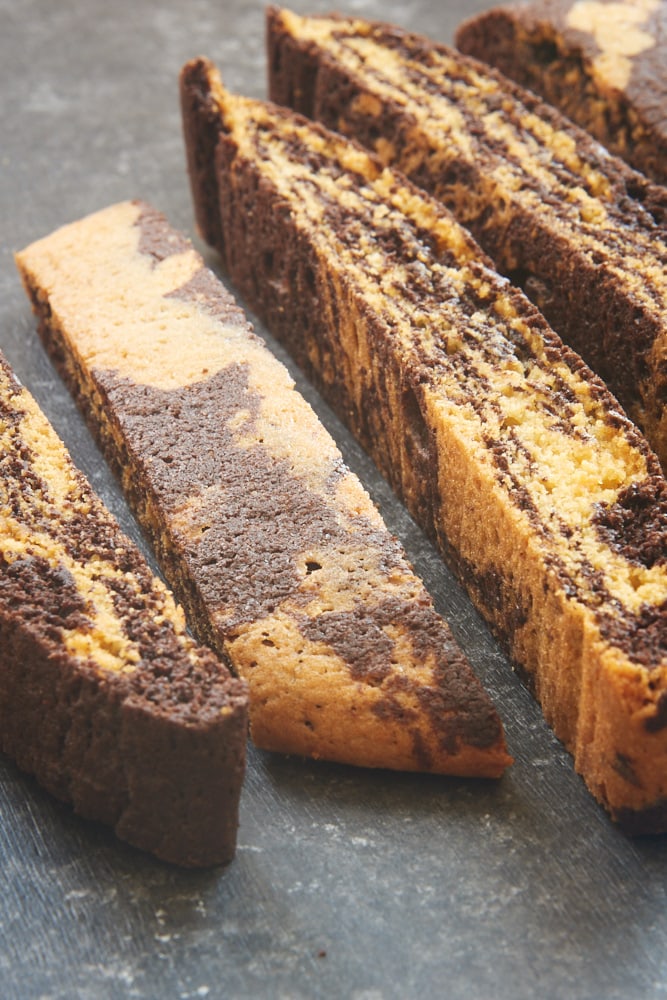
[(104, 697), (279, 556), (503, 444), (602, 62), (582, 233)]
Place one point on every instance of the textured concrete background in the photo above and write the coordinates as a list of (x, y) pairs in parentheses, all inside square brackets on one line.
[(346, 883)]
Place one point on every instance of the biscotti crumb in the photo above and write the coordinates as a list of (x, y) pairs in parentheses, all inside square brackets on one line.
[(278, 554), (581, 232), (540, 492), (603, 63), (104, 697)]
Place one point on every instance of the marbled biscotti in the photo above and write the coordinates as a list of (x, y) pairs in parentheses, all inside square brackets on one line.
[(513, 455), (104, 697), (582, 233), (602, 62), (278, 554)]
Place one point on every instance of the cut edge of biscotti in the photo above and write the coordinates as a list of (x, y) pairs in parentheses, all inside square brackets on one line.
[(589, 61), (608, 708), (579, 230), (348, 660), (104, 696)]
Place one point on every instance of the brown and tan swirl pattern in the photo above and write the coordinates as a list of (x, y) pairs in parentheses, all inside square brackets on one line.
[(583, 234), (278, 554), (104, 696), (502, 443), (603, 63)]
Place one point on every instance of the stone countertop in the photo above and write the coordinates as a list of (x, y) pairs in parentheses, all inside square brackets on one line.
[(346, 883)]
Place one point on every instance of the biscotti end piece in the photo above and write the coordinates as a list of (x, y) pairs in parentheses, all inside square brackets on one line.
[(104, 697), (543, 496), (602, 62), (278, 555), (581, 232)]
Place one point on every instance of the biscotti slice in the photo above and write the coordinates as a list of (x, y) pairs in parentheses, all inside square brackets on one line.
[(511, 453), (277, 553), (584, 234), (104, 697), (602, 62)]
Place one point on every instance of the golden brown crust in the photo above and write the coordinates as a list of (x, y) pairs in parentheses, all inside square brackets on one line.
[(280, 558), (510, 452)]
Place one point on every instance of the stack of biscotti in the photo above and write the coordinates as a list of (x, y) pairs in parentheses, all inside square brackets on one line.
[(280, 558), (104, 697), (503, 444), (602, 62), (584, 234)]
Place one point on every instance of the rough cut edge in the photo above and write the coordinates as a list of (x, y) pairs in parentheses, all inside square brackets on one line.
[(166, 785)]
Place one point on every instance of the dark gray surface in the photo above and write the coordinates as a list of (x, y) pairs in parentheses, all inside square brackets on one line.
[(346, 883)]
